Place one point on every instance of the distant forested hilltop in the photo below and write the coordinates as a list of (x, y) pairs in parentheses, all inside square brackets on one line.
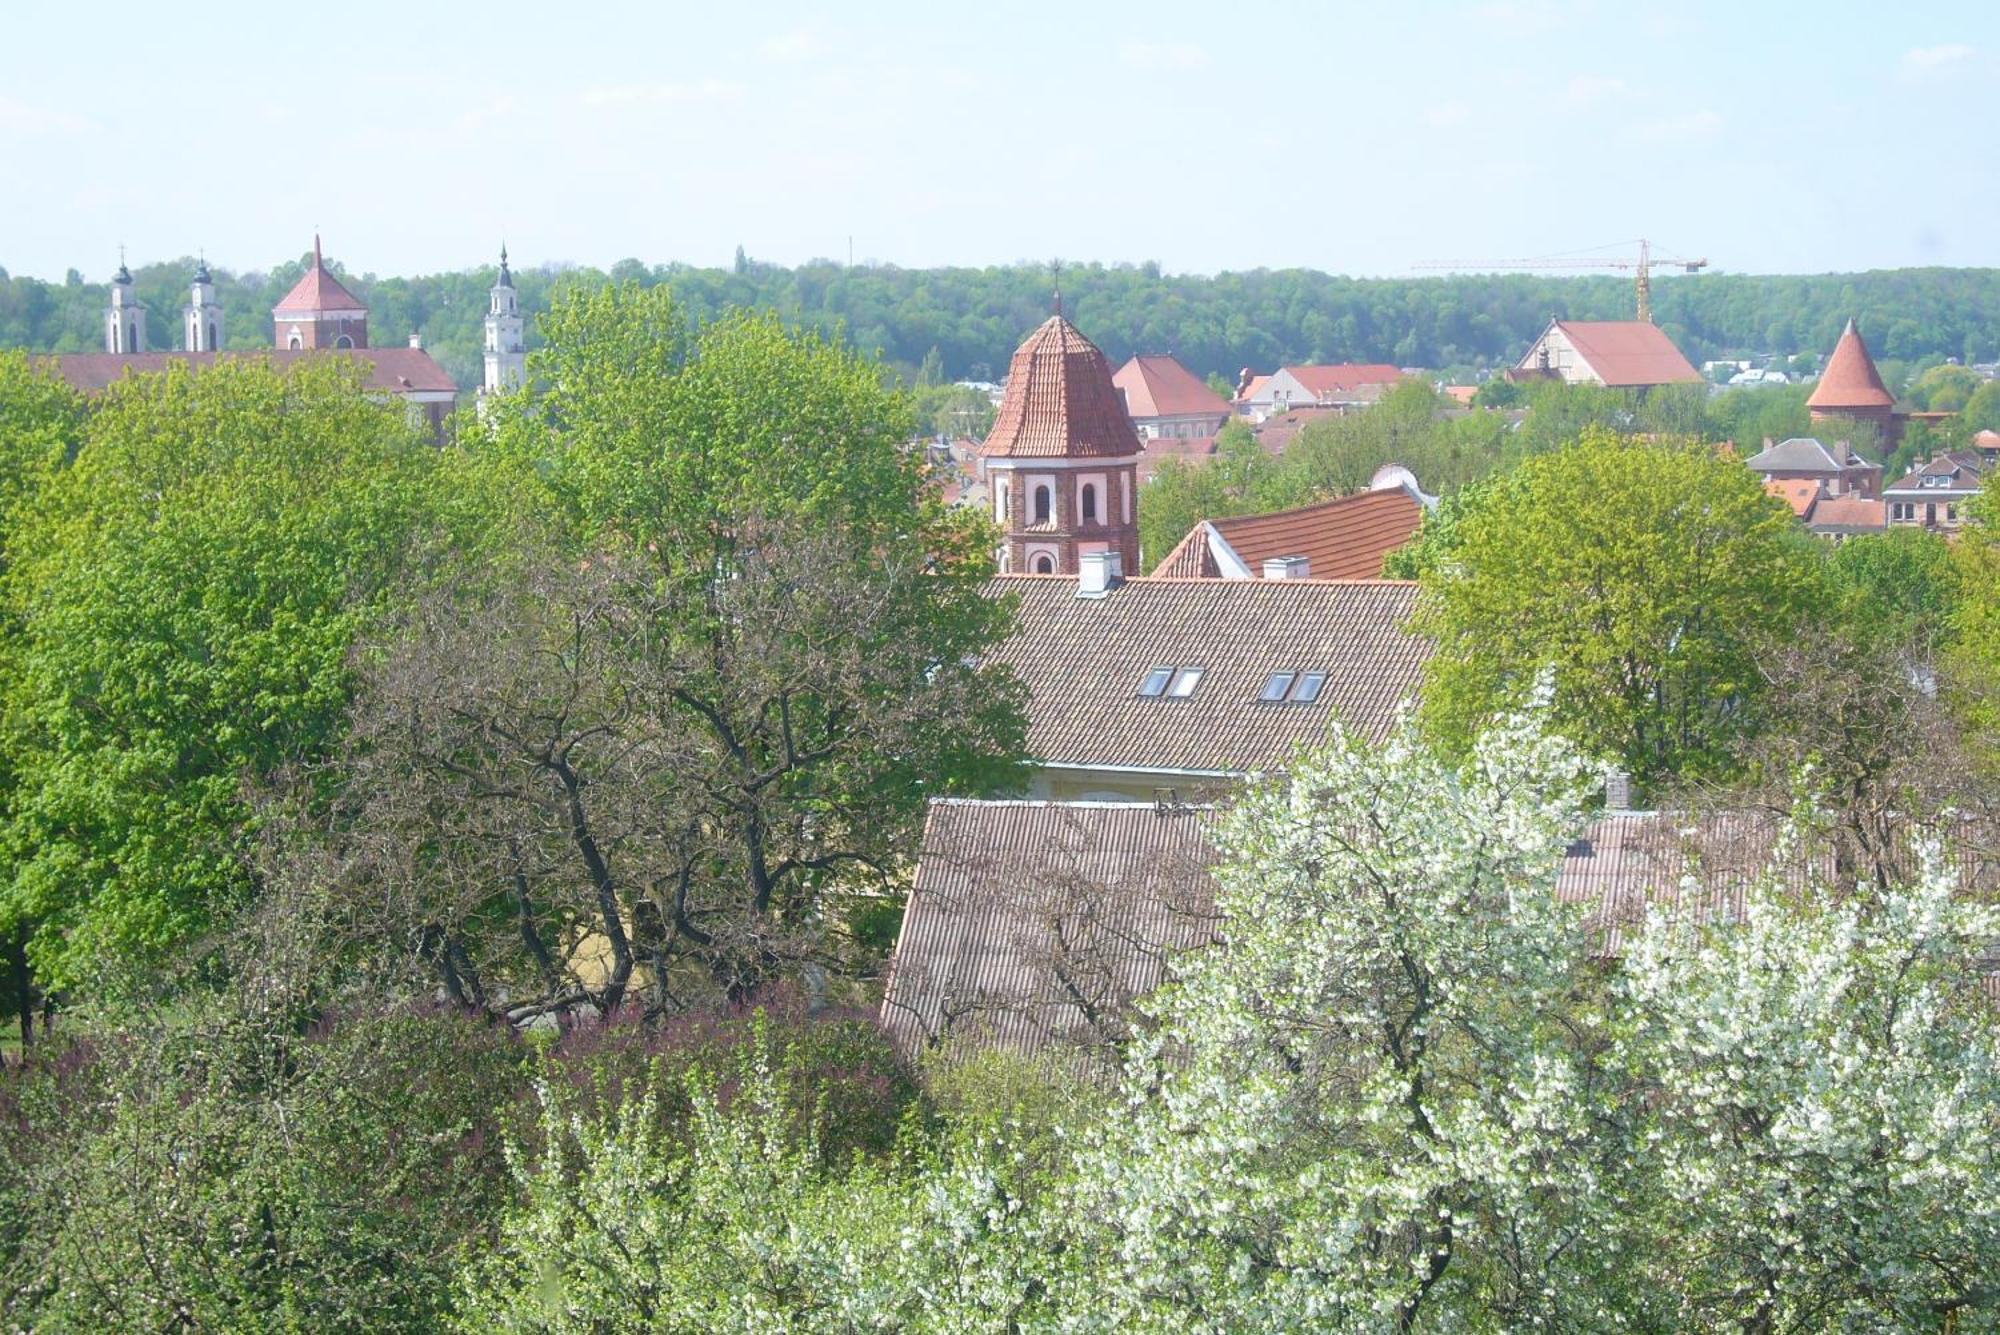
[(973, 318)]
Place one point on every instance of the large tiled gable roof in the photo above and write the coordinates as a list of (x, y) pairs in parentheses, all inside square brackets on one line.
[(1344, 377), (1060, 401), (1850, 379), (1083, 660), (1801, 494), (1162, 387), (1849, 514), (1344, 538), (1628, 353), (1035, 925), (1965, 468), (389, 370)]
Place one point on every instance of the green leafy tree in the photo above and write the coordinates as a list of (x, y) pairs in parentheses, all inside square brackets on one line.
[(1643, 575), (184, 598)]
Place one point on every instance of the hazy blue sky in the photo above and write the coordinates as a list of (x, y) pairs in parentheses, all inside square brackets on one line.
[(1360, 138)]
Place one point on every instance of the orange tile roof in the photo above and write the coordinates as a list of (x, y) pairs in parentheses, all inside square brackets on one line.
[(1060, 402), (1850, 379), (317, 291), (1799, 493), (1345, 376), (1628, 353), (1340, 539), (1850, 512), (1162, 387)]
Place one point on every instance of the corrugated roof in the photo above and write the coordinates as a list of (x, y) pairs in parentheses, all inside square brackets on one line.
[(390, 370), (1034, 926), (1628, 353), (1850, 379), (1162, 387), (1345, 538), (1083, 660), (1060, 402)]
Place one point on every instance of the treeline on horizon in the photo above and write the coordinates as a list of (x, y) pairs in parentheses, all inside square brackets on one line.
[(974, 318)]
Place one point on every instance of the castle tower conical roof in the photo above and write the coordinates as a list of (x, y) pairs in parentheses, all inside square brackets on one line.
[(1850, 380), (1060, 402)]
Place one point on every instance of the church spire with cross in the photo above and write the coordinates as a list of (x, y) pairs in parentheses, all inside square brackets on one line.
[(506, 340)]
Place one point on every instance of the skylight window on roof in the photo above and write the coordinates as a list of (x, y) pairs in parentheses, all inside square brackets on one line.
[(1277, 687), (1156, 682), (1308, 689), (1184, 683)]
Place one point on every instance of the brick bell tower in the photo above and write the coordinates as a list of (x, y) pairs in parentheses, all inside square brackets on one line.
[(1062, 459), (319, 313)]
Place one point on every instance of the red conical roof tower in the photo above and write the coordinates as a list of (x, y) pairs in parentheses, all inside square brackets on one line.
[(1851, 390), (1063, 457), (1850, 379)]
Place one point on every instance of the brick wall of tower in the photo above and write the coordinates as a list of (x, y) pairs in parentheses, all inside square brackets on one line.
[(1066, 531), (323, 330)]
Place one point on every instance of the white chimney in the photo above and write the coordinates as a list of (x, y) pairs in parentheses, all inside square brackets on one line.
[(1288, 567), (1098, 573), (417, 341)]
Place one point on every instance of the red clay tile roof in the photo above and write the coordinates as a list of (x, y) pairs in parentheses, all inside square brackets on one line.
[(1850, 379), (390, 370), (1060, 401), (1162, 387), (1799, 493), (1628, 353), (1275, 432), (1988, 439), (1345, 376), (1849, 512), (317, 291), (1083, 660), (1340, 539)]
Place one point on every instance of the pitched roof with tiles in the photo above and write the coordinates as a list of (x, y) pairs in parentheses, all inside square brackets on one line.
[(1345, 538), (317, 291), (1797, 454), (1344, 377), (389, 370), (1034, 926), (1083, 660), (1802, 494), (1627, 353), (1060, 402), (1162, 387), (1965, 471), (1850, 379), (1849, 514)]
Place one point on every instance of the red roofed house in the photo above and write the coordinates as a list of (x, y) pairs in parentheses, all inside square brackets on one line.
[(318, 317), (1850, 389), (1164, 398), (1935, 495), (1344, 387), (1338, 539), (1801, 494), (1062, 458), (1619, 354)]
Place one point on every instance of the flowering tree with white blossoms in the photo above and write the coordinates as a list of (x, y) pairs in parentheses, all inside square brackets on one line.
[(1385, 1096), (1822, 1095)]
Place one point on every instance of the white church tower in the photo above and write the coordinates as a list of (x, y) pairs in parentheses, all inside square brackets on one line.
[(124, 318), (506, 347), (201, 319)]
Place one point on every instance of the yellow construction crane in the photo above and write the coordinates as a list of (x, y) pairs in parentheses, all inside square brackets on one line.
[(1643, 266)]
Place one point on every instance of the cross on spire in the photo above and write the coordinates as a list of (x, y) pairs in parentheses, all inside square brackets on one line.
[(1055, 283)]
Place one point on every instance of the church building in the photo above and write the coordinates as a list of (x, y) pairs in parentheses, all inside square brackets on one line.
[(1062, 458), (318, 317)]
